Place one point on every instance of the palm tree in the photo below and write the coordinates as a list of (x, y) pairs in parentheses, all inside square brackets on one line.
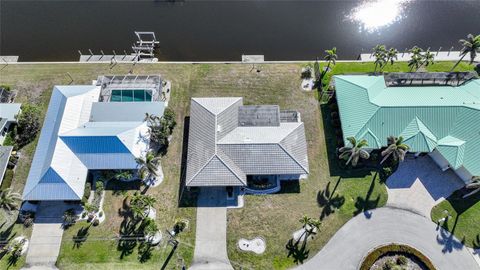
[(471, 46), (69, 217), (428, 58), (474, 184), (380, 54), (148, 166), (150, 227), (331, 57), (396, 149), (139, 203), (90, 208), (309, 225), (126, 174), (305, 220), (354, 152), (9, 200), (392, 56), (416, 59)]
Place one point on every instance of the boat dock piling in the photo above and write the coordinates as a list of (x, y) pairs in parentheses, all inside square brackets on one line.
[(143, 51)]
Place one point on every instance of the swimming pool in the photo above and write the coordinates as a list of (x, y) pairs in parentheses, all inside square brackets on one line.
[(131, 95)]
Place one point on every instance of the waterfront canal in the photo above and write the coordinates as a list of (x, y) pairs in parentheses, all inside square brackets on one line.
[(224, 30)]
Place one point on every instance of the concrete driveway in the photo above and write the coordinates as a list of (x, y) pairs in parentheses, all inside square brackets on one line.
[(211, 232), (46, 237), (356, 238), (419, 184)]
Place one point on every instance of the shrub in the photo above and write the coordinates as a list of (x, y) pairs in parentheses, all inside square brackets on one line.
[(27, 222), (169, 117), (306, 73), (10, 139), (180, 225), (402, 260), (5, 87), (334, 107), (7, 179), (28, 124), (27, 217), (389, 265), (99, 186), (84, 214), (86, 192), (96, 222), (100, 214), (69, 217)]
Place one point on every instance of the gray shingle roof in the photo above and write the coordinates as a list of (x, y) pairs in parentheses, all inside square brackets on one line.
[(222, 153)]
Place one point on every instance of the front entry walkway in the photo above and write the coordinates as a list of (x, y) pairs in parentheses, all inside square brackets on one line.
[(211, 233), (419, 184), (360, 235), (46, 237)]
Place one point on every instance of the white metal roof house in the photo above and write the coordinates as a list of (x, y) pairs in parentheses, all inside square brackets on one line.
[(85, 129), (8, 112), (229, 141)]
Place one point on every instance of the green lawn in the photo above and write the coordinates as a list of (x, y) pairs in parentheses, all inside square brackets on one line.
[(465, 220), (273, 217)]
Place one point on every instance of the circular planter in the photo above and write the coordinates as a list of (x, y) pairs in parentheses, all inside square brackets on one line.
[(154, 239), (394, 249)]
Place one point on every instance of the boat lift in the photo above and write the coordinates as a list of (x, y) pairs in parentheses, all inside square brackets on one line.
[(146, 44)]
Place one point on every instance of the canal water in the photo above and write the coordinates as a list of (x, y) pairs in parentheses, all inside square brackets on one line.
[(224, 30)]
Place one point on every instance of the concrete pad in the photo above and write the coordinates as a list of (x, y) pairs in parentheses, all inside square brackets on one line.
[(419, 184), (211, 232), (47, 235)]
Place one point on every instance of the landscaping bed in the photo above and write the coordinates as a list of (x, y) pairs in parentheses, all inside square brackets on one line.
[(396, 256)]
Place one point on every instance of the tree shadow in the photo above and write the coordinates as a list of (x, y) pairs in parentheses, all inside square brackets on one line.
[(5, 237), (292, 186), (366, 204), (126, 247), (298, 252), (128, 231), (81, 236), (336, 166), (329, 200), (144, 252), (12, 260), (447, 239), (187, 197)]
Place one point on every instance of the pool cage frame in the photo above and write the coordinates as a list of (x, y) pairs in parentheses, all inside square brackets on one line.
[(129, 82)]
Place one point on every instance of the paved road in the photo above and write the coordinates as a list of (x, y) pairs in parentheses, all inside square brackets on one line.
[(211, 233), (357, 237), (46, 237)]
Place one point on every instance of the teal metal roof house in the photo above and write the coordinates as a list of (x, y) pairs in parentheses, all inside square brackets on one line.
[(438, 119)]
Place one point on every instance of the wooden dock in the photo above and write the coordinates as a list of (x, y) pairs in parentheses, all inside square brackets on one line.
[(405, 56), (107, 58)]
